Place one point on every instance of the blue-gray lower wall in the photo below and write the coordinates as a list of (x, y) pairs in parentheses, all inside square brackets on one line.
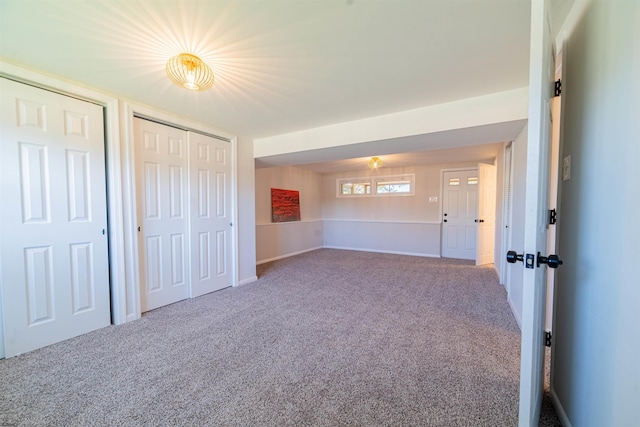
[(410, 238), (283, 239), (280, 240)]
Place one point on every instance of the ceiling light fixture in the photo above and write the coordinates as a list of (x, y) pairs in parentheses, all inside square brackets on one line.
[(188, 71), (375, 163)]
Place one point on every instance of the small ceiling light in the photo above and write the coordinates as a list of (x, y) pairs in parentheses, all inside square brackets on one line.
[(375, 163), (188, 71)]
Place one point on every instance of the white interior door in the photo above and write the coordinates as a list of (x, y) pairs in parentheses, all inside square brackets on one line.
[(162, 188), (535, 223), (211, 239), (459, 214), (554, 192), (53, 250), (486, 219)]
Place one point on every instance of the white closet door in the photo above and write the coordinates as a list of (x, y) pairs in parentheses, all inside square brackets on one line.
[(53, 248), (210, 170), (161, 177)]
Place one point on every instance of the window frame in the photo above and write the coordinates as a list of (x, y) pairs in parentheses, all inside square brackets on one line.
[(373, 182)]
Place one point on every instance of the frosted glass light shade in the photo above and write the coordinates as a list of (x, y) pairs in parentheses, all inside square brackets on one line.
[(188, 71)]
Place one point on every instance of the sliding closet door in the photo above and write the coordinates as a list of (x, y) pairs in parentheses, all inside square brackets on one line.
[(210, 173), (161, 177), (53, 247)]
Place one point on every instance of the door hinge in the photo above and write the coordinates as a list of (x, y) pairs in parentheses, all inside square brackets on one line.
[(547, 338), (557, 88), (553, 216)]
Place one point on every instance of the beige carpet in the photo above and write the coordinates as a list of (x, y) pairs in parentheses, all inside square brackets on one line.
[(327, 338)]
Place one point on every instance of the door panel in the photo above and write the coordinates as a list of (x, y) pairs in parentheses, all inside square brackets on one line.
[(161, 169), (486, 214), (460, 201), (210, 170), (541, 75), (53, 249)]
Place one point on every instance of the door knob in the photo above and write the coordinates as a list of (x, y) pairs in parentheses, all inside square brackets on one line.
[(552, 261), (512, 257)]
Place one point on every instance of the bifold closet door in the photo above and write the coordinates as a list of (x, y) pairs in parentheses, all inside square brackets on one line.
[(162, 190), (53, 218), (210, 171)]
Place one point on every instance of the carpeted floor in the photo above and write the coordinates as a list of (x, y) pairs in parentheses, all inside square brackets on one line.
[(326, 338)]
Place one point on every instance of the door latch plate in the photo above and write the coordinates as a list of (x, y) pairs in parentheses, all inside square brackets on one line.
[(529, 261)]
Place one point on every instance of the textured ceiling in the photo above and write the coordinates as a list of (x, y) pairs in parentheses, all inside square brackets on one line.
[(280, 66)]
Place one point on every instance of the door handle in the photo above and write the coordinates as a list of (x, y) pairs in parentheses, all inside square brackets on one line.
[(512, 257), (552, 261), (478, 220)]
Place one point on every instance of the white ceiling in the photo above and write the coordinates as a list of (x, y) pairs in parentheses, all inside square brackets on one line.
[(288, 65), (280, 65)]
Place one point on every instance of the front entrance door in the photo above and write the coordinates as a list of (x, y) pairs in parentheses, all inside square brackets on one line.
[(53, 218), (460, 213)]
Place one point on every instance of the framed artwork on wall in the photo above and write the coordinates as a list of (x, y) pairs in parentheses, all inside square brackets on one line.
[(285, 205)]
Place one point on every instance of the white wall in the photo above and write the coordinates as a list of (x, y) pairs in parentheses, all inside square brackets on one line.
[(246, 212), (279, 240), (596, 352), (513, 282), (397, 224), (394, 208)]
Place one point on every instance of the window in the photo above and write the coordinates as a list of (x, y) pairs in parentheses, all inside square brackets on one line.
[(398, 185), (393, 187), (472, 180), (353, 188)]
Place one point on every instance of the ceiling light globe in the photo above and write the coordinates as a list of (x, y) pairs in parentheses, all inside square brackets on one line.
[(375, 163), (190, 72)]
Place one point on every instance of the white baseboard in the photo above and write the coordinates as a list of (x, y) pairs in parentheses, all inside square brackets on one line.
[(132, 317), (497, 270), (384, 252), (263, 261), (515, 312), (247, 281), (559, 408)]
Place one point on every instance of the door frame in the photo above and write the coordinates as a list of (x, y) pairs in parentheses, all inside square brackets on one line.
[(113, 176), (128, 111), (507, 213)]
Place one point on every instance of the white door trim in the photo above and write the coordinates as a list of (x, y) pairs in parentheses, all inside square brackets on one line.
[(113, 178), (127, 112)]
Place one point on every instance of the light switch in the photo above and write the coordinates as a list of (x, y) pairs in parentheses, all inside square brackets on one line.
[(433, 199), (566, 168)]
